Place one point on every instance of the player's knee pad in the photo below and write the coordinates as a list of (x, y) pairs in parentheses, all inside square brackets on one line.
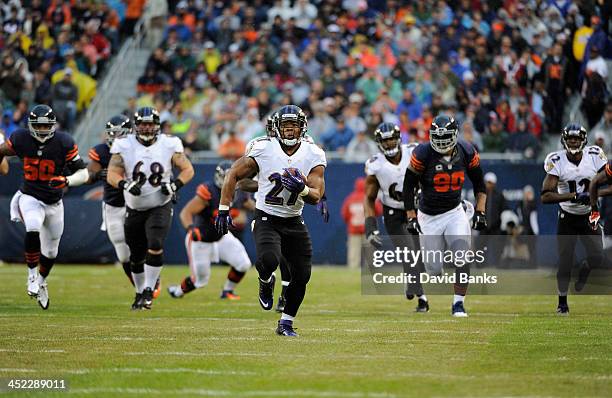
[(138, 255), (301, 275), (269, 260), (49, 247), (154, 260), (154, 242), (201, 277)]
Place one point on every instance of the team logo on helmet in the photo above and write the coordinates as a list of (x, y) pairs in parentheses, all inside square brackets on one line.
[(118, 126), (574, 130), (387, 137)]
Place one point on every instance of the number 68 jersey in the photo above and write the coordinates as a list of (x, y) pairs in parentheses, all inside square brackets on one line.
[(575, 178), (151, 165), (271, 197)]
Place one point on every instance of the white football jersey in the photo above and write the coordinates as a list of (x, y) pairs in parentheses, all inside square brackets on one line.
[(575, 178), (390, 176), (271, 197), (154, 161), (1, 138)]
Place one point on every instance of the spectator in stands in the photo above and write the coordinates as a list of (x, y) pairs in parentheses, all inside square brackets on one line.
[(495, 140), (360, 149), (496, 204), (7, 125), (133, 12), (523, 141), (65, 95), (470, 135), (604, 127), (338, 137), (555, 67), (232, 148)]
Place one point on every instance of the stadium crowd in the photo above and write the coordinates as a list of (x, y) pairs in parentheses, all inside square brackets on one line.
[(505, 69), (52, 52)]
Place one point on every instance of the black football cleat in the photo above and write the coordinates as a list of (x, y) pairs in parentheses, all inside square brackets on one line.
[(280, 305), (422, 306), (146, 299), (266, 293), (583, 275), (136, 304), (285, 328), (563, 309), (458, 310)]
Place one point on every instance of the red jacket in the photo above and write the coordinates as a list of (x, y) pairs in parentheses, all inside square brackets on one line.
[(352, 209)]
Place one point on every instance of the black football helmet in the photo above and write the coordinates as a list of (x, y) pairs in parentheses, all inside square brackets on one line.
[(443, 133), (290, 114), (42, 123), (147, 125), (117, 126), (220, 172), (271, 125), (574, 130), (387, 137)]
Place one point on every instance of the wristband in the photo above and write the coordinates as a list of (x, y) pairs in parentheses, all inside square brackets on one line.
[(224, 208), (178, 184), (122, 184), (305, 191)]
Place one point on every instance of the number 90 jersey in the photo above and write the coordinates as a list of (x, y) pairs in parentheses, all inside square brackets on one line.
[(575, 178), (271, 197), (151, 165), (390, 176)]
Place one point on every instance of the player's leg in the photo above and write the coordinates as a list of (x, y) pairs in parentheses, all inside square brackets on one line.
[(268, 247), (115, 218), (157, 227), (136, 239), (593, 243), (199, 255), (297, 249), (32, 214), (566, 245), (232, 251), (432, 242), (50, 236), (285, 280), (457, 235)]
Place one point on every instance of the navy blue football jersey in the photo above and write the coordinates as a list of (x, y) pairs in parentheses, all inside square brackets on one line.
[(112, 196), (205, 221), (442, 179), (42, 161)]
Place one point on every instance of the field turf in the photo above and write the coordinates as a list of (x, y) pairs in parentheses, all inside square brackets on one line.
[(349, 346)]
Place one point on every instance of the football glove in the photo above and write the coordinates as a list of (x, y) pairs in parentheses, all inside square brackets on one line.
[(594, 219), (223, 221), (479, 221), (293, 182), (582, 198), (101, 175), (195, 233), (58, 182), (132, 187), (322, 208), (170, 188), (372, 233), (413, 227)]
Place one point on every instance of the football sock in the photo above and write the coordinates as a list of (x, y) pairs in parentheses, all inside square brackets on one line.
[(33, 272), (151, 274), (563, 299), (422, 297), (127, 268), (285, 317), (45, 266), (457, 298), (187, 285), (32, 249), (138, 276), (233, 278), (285, 285)]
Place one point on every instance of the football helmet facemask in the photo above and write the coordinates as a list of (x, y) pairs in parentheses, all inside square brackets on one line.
[(220, 172), (118, 126), (387, 137), (147, 125), (42, 123), (291, 125), (574, 138), (443, 133)]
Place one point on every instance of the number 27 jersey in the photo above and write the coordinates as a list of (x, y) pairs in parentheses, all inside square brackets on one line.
[(151, 164), (271, 197)]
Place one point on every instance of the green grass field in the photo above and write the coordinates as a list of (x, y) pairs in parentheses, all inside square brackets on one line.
[(349, 345)]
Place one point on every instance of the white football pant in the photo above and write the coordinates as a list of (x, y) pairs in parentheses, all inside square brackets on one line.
[(113, 223)]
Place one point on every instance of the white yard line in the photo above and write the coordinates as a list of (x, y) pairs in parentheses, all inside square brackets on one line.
[(231, 393)]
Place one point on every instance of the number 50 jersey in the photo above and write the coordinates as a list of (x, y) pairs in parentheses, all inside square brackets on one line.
[(151, 165), (271, 197), (575, 178)]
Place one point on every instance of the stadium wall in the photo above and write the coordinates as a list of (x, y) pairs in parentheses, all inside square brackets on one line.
[(83, 242)]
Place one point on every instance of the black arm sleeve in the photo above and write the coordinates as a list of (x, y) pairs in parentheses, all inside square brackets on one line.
[(76, 165), (477, 177), (411, 182)]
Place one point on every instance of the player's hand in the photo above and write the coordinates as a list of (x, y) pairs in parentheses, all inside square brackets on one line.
[(375, 239), (594, 219), (132, 187), (101, 175), (413, 227), (58, 182), (223, 222), (322, 208), (170, 188), (293, 182), (195, 233), (582, 198), (479, 221)]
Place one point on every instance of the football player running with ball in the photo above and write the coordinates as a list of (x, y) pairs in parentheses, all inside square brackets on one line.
[(38, 203), (602, 178), (440, 167), (569, 172), (290, 171), (141, 166), (385, 173)]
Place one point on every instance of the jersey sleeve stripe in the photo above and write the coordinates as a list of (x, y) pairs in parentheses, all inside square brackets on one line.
[(72, 153), (10, 145), (93, 155), (416, 164), (475, 162), (203, 192), (609, 170)]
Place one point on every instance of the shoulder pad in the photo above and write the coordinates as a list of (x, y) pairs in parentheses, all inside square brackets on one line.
[(552, 161), (373, 164), (256, 146)]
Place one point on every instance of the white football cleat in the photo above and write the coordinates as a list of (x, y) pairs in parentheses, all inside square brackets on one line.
[(175, 291), (43, 296), (33, 285)]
